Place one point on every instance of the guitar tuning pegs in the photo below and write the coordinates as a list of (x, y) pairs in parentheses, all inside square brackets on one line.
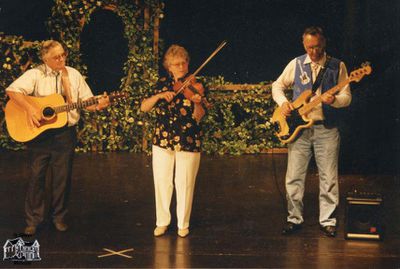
[(367, 63)]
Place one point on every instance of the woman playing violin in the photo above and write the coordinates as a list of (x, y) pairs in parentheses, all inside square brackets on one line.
[(176, 140)]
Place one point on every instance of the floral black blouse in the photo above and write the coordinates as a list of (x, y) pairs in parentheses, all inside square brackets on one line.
[(176, 129)]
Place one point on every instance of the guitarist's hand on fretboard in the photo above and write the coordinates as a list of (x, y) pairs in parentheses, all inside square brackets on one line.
[(104, 101), (327, 98)]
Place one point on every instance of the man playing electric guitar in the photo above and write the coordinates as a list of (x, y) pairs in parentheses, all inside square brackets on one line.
[(53, 149), (313, 70)]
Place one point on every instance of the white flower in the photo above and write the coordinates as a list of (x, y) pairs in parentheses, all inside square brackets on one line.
[(177, 147), (163, 142)]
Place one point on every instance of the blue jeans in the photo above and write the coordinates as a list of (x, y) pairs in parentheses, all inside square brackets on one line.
[(325, 143)]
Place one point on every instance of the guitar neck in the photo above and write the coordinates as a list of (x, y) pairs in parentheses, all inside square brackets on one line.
[(76, 105), (309, 106)]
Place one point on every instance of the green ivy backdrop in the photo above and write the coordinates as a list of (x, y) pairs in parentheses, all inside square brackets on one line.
[(237, 123)]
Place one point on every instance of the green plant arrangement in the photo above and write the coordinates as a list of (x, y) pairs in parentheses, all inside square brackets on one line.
[(237, 123), (119, 127)]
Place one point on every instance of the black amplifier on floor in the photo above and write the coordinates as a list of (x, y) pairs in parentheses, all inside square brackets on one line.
[(363, 216)]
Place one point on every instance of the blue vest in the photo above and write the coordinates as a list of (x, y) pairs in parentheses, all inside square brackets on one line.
[(303, 81)]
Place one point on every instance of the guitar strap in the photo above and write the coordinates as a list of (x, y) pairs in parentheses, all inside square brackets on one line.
[(320, 75), (57, 74), (66, 85)]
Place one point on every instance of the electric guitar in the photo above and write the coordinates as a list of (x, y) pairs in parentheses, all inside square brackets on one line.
[(289, 127), (54, 114)]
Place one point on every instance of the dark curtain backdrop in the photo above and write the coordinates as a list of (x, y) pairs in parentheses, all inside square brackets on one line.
[(263, 36)]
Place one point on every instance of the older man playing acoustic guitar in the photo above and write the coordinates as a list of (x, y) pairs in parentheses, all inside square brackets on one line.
[(53, 148)]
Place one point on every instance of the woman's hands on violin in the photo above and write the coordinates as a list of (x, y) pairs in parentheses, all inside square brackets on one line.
[(167, 96), (196, 98), (150, 102)]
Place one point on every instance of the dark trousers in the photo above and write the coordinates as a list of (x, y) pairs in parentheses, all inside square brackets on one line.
[(52, 152)]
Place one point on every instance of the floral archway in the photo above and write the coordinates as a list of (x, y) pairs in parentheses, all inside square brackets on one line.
[(120, 127)]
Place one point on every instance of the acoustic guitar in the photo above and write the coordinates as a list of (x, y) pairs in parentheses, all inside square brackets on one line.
[(289, 127), (54, 114)]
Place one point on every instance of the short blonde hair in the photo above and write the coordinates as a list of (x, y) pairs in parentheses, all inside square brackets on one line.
[(175, 51), (47, 45)]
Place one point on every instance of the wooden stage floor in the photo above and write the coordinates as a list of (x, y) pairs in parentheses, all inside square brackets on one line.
[(236, 222)]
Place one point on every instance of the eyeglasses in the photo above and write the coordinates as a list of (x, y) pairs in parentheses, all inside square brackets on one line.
[(179, 64), (59, 57), (316, 48)]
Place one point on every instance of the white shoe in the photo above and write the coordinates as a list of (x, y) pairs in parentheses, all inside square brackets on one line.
[(183, 232), (160, 230)]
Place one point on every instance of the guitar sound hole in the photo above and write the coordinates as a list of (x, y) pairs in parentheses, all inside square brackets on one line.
[(48, 112)]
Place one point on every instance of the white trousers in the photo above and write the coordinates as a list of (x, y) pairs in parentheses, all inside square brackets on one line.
[(186, 167)]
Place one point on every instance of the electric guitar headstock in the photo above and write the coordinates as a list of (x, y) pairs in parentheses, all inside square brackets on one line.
[(358, 74)]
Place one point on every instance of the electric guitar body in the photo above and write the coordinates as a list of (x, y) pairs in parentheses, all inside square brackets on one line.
[(289, 127)]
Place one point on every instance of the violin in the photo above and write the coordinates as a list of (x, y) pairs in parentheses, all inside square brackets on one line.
[(189, 87)]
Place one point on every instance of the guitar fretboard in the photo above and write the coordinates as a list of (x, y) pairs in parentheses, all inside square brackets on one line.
[(309, 106), (76, 105)]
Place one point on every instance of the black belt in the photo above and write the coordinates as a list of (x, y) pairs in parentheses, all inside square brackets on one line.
[(319, 122)]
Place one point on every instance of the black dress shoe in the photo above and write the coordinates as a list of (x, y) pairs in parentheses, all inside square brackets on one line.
[(290, 228), (329, 231)]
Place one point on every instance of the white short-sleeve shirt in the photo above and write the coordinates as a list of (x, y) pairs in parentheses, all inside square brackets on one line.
[(43, 81)]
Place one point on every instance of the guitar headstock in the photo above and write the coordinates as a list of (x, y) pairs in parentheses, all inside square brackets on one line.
[(118, 95), (358, 74)]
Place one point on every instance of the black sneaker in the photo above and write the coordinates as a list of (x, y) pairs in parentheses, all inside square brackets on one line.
[(329, 230), (290, 228)]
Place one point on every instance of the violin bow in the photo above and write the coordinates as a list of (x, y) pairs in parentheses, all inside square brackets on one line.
[(187, 81)]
